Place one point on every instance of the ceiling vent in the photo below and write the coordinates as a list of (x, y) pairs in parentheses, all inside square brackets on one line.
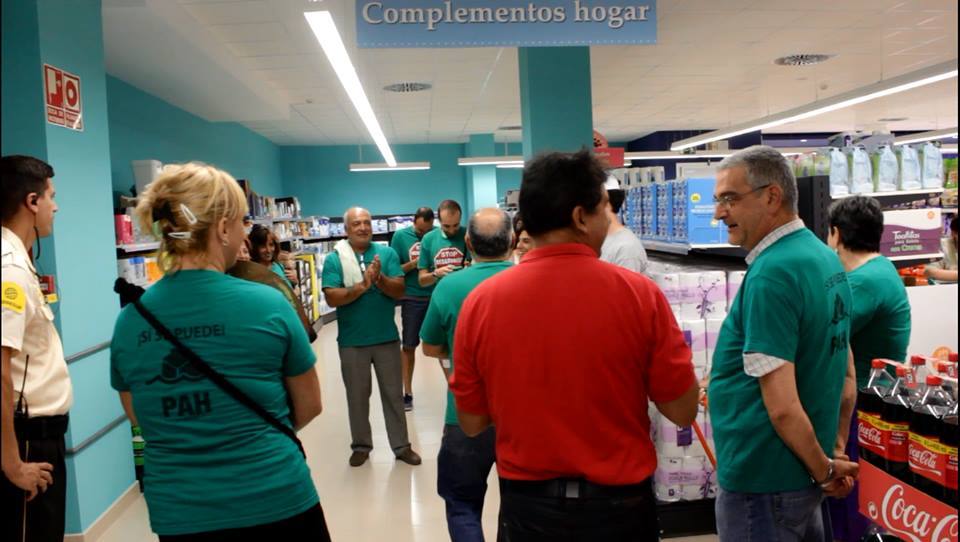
[(892, 119), (510, 128), (802, 59), (404, 88)]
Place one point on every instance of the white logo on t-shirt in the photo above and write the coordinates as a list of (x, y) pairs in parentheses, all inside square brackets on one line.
[(448, 256), (414, 253)]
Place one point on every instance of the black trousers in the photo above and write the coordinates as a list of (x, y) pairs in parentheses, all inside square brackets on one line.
[(306, 526), (557, 511), (43, 518)]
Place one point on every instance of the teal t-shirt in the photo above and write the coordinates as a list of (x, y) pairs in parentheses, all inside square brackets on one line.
[(440, 323), (210, 462), (794, 304), (438, 250), (370, 319), (407, 245), (277, 268), (880, 323)]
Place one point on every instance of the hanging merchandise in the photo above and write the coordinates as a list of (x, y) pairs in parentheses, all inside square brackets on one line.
[(861, 181), (839, 173), (932, 166), (888, 170), (909, 168)]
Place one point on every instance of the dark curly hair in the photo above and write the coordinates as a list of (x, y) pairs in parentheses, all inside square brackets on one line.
[(859, 221)]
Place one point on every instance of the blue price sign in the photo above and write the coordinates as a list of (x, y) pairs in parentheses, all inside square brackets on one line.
[(504, 23)]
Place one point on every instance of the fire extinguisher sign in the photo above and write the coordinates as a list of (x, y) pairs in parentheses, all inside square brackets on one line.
[(62, 97)]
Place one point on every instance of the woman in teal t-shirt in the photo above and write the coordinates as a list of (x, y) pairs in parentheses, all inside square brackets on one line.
[(265, 250), (879, 319), (214, 469)]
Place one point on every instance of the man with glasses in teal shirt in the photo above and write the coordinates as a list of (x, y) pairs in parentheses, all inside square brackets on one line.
[(781, 365), (464, 462)]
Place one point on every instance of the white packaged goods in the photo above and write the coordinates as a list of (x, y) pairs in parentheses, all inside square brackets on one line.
[(683, 471), (861, 181), (697, 338), (734, 280), (839, 173), (932, 166), (669, 284), (889, 170), (910, 175)]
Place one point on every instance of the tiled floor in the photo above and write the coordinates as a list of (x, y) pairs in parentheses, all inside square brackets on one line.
[(383, 499)]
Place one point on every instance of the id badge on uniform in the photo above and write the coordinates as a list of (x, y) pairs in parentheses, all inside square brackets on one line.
[(48, 288)]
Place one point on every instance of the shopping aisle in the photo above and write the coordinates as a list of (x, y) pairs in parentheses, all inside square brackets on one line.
[(384, 500)]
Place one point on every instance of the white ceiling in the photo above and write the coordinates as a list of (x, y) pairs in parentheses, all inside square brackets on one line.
[(257, 62)]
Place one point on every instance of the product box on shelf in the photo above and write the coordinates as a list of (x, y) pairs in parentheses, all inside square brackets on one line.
[(648, 209), (699, 209), (911, 232), (664, 199)]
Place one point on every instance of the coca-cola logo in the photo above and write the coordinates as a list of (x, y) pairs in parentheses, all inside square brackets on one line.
[(922, 457), (870, 435), (906, 519)]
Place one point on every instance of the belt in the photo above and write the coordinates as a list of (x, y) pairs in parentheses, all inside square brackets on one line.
[(41, 427), (575, 488)]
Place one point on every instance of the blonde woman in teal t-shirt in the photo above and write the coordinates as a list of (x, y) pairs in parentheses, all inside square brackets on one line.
[(215, 470)]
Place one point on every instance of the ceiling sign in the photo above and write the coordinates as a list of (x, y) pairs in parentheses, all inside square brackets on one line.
[(62, 97), (504, 23)]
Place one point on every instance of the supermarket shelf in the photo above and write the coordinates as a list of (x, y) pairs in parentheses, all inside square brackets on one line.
[(291, 219), (139, 247), (896, 193), (687, 518), (337, 237), (918, 257), (684, 249)]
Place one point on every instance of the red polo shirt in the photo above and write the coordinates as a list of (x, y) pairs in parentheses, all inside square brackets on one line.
[(562, 352)]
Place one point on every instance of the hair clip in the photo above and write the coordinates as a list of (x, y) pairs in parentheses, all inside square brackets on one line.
[(179, 234), (191, 218)]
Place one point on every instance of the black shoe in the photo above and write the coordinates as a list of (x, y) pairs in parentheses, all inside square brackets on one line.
[(358, 458), (407, 402), (409, 457)]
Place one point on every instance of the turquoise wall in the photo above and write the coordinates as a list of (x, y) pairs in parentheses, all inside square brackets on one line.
[(144, 127), (320, 177), (83, 243)]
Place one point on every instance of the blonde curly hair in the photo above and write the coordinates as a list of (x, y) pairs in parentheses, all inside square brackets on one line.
[(183, 204)]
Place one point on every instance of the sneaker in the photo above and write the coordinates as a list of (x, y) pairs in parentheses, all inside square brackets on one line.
[(358, 458), (407, 402), (409, 457)]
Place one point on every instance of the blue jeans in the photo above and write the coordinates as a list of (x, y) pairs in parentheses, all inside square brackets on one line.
[(463, 466), (789, 516)]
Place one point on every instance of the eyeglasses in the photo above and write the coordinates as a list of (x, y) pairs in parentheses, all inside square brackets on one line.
[(729, 199)]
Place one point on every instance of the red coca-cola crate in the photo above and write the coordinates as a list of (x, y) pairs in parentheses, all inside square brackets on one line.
[(903, 510)]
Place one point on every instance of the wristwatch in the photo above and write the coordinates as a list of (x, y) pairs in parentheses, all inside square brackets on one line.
[(829, 476)]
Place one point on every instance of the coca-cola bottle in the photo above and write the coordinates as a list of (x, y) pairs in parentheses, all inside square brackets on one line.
[(949, 439), (896, 414), (928, 461), (870, 432)]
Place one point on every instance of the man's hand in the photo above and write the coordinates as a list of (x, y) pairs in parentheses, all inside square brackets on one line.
[(291, 275), (845, 472), (839, 488), (31, 477), (441, 272)]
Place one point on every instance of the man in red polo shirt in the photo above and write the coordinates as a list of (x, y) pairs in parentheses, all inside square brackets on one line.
[(569, 391)]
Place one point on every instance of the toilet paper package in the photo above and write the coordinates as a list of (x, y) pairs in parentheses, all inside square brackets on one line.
[(683, 471), (669, 284), (695, 331), (713, 291), (734, 280), (712, 333), (691, 298)]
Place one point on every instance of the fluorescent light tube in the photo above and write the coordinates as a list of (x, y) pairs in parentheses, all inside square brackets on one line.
[(510, 166), (926, 136), (894, 85), (490, 161), (402, 166), (321, 22)]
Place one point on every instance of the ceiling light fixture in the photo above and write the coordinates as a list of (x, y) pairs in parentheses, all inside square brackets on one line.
[(402, 166), (510, 166), (491, 161), (894, 85), (321, 22), (947, 133)]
